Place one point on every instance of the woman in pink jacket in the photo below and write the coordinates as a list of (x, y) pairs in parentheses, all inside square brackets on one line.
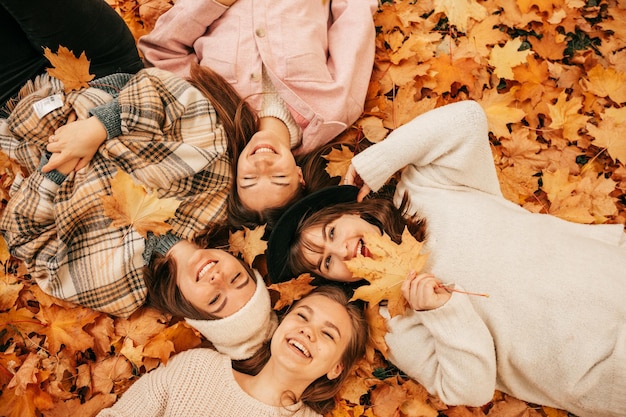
[(304, 63)]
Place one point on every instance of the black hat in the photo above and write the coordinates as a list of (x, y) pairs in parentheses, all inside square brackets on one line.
[(282, 235)]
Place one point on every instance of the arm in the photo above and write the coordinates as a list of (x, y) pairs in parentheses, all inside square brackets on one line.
[(449, 350), (446, 146), (170, 44), (351, 47)]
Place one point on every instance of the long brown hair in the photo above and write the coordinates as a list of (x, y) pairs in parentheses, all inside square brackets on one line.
[(378, 210), (320, 394), (240, 122)]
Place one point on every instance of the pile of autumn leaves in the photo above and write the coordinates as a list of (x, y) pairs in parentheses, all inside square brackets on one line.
[(551, 76)]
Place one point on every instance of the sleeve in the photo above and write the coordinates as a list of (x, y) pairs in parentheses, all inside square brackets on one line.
[(170, 44), (448, 350), (351, 47), (109, 115), (447, 146)]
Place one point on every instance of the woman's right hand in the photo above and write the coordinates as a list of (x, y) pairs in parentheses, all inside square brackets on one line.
[(424, 292), (77, 141), (353, 178)]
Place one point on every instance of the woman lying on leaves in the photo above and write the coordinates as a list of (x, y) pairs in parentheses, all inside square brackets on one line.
[(307, 79), (553, 329), (177, 144), (297, 373)]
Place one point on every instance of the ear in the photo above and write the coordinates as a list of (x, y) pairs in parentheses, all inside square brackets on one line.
[(335, 371), (301, 177)]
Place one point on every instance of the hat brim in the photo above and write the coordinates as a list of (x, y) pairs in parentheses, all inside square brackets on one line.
[(282, 235)]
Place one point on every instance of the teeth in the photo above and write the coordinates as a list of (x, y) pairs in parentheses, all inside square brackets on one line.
[(359, 248), (300, 347), (204, 270), (264, 150)]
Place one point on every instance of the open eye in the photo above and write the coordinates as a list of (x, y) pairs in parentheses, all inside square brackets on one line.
[(327, 263), (331, 233)]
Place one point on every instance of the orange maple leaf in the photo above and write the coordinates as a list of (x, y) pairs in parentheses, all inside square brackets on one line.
[(130, 205), (248, 242), (65, 327), (72, 71), (610, 133), (292, 290), (339, 161), (387, 269)]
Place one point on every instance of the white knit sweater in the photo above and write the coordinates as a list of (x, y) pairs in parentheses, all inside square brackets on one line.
[(553, 331), (195, 383)]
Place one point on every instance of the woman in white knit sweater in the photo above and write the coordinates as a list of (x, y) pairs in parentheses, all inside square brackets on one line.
[(553, 329), (312, 351)]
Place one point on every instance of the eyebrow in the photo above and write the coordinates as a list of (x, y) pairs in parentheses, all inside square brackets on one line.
[(326, 323)]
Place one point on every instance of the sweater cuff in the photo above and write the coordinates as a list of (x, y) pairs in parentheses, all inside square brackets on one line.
[(54, 175), (109, 116), (158, 244)]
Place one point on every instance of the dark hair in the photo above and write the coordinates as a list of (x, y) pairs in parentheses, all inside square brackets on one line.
[(234, 113), (378, 210), (320, 394), (160, 277)]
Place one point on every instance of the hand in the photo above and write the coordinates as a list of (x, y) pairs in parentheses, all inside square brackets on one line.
[(353, 178), (424, 292), (75, 143), (226, 3)]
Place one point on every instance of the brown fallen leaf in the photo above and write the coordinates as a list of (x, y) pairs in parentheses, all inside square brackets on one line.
[(248, 242), (292, 290), (72, 71), (131, 205)]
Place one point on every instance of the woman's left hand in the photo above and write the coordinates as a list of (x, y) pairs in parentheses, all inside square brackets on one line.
[(424, 292), (353, 178)]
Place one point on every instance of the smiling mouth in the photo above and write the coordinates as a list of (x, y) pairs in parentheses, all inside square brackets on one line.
[(299, 346), (205, 269), (362, 250), (263, 149)]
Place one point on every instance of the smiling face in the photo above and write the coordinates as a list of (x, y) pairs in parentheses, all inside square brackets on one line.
[(267, 174), (212, 280), (327, 246), (312, 338)]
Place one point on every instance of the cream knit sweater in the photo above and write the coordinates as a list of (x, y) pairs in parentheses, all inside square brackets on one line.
[(195, 383), (553, 331)]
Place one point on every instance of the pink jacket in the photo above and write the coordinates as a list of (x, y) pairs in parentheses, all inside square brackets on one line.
[(318, 53)]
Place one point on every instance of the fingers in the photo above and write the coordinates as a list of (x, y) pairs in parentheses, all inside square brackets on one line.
[(363, 192)]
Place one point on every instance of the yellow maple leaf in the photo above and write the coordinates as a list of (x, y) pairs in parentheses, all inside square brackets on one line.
[(373, 128), (130, 205), (504, 58), (248, 242), (387, 268), (610, 133), (339, 161), (72, 71), (606, 82), (460, 11), (500, 111), (292, 290), (565, 114)]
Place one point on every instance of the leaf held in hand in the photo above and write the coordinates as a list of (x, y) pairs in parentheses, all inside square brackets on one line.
[(387, 269), (131, 205)]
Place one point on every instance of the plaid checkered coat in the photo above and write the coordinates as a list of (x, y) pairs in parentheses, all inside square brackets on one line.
[(171, 142)]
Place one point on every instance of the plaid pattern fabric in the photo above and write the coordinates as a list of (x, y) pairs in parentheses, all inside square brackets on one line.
[(171, 142)]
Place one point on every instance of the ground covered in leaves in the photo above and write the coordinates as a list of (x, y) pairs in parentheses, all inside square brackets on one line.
[(551, 76)]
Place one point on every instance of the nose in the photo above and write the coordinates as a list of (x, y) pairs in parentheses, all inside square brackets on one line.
[(340, 249), (307, 332), (217, 278)]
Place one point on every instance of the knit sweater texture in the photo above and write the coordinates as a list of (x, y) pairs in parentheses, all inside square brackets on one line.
[(553, 329), (318, 54), (171, 142), (195, 383)]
